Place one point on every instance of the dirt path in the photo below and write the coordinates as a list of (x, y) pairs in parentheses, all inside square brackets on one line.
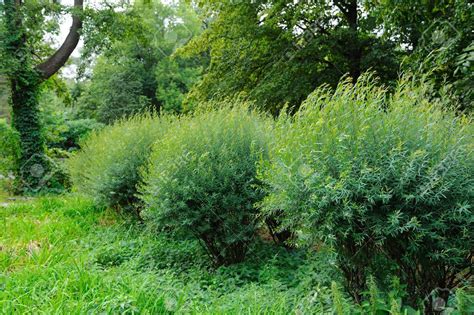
[(8, 201)]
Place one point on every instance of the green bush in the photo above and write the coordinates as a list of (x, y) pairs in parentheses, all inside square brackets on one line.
[(61, 128), (201, 179), (107, 167), (9, 146), (386, 180), (9, 155), (56, 177), (77, 130)]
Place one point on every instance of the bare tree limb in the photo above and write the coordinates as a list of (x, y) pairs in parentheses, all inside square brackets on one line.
[(59, 58)]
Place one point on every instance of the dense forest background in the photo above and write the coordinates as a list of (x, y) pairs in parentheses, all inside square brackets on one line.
[(169, 57), (149, 56)]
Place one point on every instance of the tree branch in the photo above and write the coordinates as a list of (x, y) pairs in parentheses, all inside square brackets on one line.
[(59, 58), (349, 10), (341, 6)]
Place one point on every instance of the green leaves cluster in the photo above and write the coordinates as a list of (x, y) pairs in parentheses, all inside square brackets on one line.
[(9, 144), (107, 167), (201, 179), (137, 70), (60, 127), (9, 153), (30, 22), (277, 52), (440, 38), (386, 181)]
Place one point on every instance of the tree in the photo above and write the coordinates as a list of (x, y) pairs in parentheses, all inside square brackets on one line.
[(138, 72), (276, 52), (439, 40), (21, 44)]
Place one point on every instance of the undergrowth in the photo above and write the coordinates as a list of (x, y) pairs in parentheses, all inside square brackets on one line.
[(64, 255)]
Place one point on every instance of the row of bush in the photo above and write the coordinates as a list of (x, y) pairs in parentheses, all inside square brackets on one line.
[(193, 174), (384, 180)]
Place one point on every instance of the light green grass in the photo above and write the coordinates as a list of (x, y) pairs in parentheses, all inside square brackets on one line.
[(65, 256), (47, 267)]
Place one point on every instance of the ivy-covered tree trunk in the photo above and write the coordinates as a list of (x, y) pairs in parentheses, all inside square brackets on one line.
[(25, 81), (33, 166)]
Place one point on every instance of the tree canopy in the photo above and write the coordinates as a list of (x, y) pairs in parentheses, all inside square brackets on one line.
[(276, 52), (138, 72)]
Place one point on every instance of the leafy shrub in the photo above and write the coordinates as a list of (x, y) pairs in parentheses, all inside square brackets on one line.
[(107, 167), (76, 130), (59, 180), (385, 180), (81, 259), (9, 155), (201, 179), (61, 128)]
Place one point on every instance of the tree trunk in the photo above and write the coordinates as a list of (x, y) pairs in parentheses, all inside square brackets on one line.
[(33, 167), (24, 83), (355, 51), (354, 46)]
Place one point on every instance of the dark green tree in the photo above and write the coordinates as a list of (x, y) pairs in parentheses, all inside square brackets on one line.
[(277, 51), (438, 37)]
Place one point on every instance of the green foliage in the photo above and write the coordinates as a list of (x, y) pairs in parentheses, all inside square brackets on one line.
[(52, 178), (464, 300), (201, 179), (276, 52), (9, 147), (386, 180), (174, 79), (137, 72), (107, 167), (37, 20), (61, 129), (62, 134), (76, 130), (339, 305), (9, 155), (49, 269), (439, 39), (23, 29), (116, 91), (77, 258)]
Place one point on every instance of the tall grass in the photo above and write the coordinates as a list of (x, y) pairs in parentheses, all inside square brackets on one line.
[(67, 256)]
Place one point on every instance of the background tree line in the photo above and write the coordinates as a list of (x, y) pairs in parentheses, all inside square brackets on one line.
[(147, 56)]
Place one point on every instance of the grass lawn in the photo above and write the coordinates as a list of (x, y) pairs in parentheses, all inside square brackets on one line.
[(3, 196), (63, 255)]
